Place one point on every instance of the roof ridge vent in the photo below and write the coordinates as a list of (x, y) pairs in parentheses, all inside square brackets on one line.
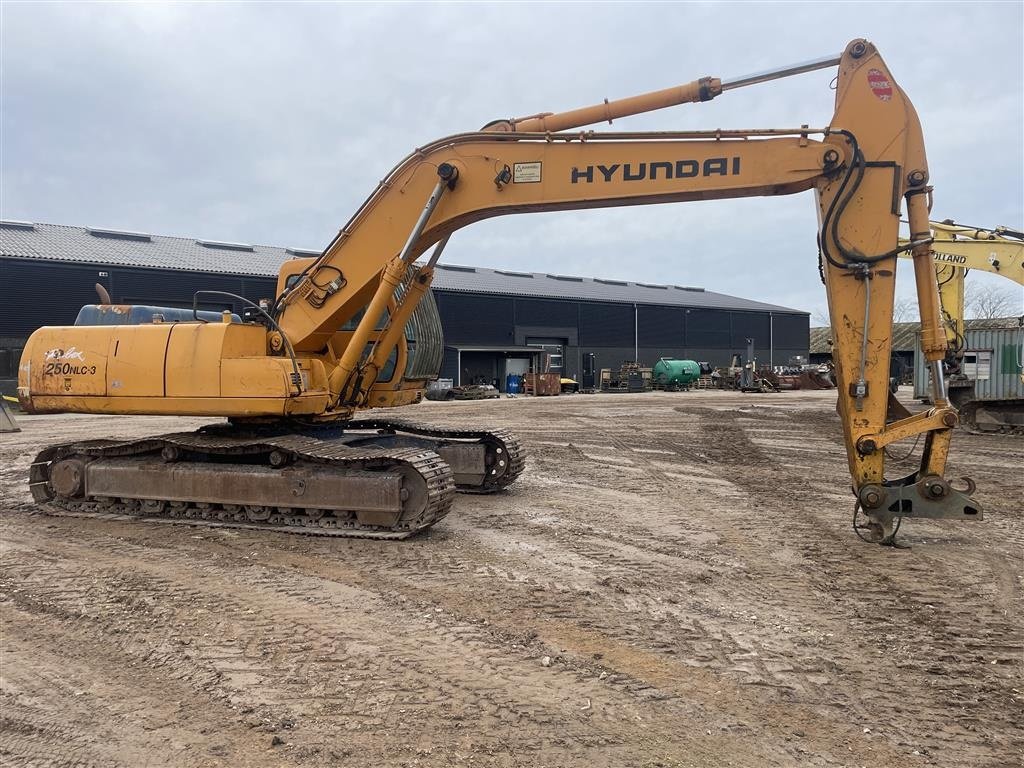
[(456, 268), (15, 224), (652, 285), (566, 277), (226, 246), (688, 288), (120, 234), (514, 274), (302, 252), (610, 282)]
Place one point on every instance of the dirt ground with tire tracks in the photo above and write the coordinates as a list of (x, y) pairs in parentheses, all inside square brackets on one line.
[(673, 582)]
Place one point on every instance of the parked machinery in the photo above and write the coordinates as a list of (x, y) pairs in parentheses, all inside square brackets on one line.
[(957, 249), (745, 376), (355, 328), (672, 374)]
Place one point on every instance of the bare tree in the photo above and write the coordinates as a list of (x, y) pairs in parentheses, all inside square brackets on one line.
[(820, 318), (987, 301), (904, 311)]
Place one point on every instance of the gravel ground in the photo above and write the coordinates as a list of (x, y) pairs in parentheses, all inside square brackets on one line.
[(672, 582)]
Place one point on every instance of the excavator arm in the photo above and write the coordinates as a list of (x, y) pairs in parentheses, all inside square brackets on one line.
[(864, 167), (999, 251), (340, 317), (958, 249)]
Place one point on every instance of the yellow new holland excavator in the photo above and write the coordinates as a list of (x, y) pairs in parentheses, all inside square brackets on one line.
[(958, 249), (355, 328)]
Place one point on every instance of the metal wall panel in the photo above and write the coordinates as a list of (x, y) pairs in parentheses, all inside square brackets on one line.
[(750, 325), (175, 289), (708, 328), (541, 312), (607, 325), (450, 365), (36, 295), (472, 319), (48, 293), (660, 326), (1000, 379), (791, 332)]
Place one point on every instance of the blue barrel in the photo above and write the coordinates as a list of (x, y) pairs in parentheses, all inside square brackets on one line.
[(512, 384)]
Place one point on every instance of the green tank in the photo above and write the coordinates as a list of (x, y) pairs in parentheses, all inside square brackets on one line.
[(669, 373)]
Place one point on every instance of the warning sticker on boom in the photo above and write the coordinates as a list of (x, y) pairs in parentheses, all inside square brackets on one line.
[(526, 173), (880, 84)]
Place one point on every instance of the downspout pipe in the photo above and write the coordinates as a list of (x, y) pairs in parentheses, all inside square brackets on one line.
[(636, 334)]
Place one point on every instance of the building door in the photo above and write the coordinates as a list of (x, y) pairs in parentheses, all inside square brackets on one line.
[(555, 349), (589, 371)]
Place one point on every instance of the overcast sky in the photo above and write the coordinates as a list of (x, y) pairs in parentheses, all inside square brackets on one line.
[(270, 123)]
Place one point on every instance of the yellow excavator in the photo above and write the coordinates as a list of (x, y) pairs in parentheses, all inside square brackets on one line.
[(957, 249), (355, 328)]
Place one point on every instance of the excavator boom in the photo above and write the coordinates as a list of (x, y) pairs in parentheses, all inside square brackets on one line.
[(338, 337)]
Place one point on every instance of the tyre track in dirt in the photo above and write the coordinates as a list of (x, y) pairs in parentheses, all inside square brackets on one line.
[(949, 645), (294, 620), (52, 716), (1002, 640), (495, 700), (664, 619)]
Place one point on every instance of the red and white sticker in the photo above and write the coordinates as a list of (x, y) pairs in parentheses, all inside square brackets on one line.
[(880, 84)]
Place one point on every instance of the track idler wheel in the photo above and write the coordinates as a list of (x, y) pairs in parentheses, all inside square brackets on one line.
[(67, 478)]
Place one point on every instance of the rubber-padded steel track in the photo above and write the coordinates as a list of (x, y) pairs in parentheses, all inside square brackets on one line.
[(988, 417), (298, 449), (505, 445)]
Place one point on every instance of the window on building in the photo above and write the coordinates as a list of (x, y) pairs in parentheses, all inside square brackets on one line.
[(978, 364)]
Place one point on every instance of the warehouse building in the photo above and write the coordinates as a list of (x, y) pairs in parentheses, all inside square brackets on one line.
[(495, 321)]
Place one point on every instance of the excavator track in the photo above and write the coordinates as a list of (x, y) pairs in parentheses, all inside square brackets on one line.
[(289, 483), (482, 461), (986, 417), (505, 453), (982, 416)]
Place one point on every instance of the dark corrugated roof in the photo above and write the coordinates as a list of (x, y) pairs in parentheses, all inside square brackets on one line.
[(479, 280), (56, 242), (904, 335)]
